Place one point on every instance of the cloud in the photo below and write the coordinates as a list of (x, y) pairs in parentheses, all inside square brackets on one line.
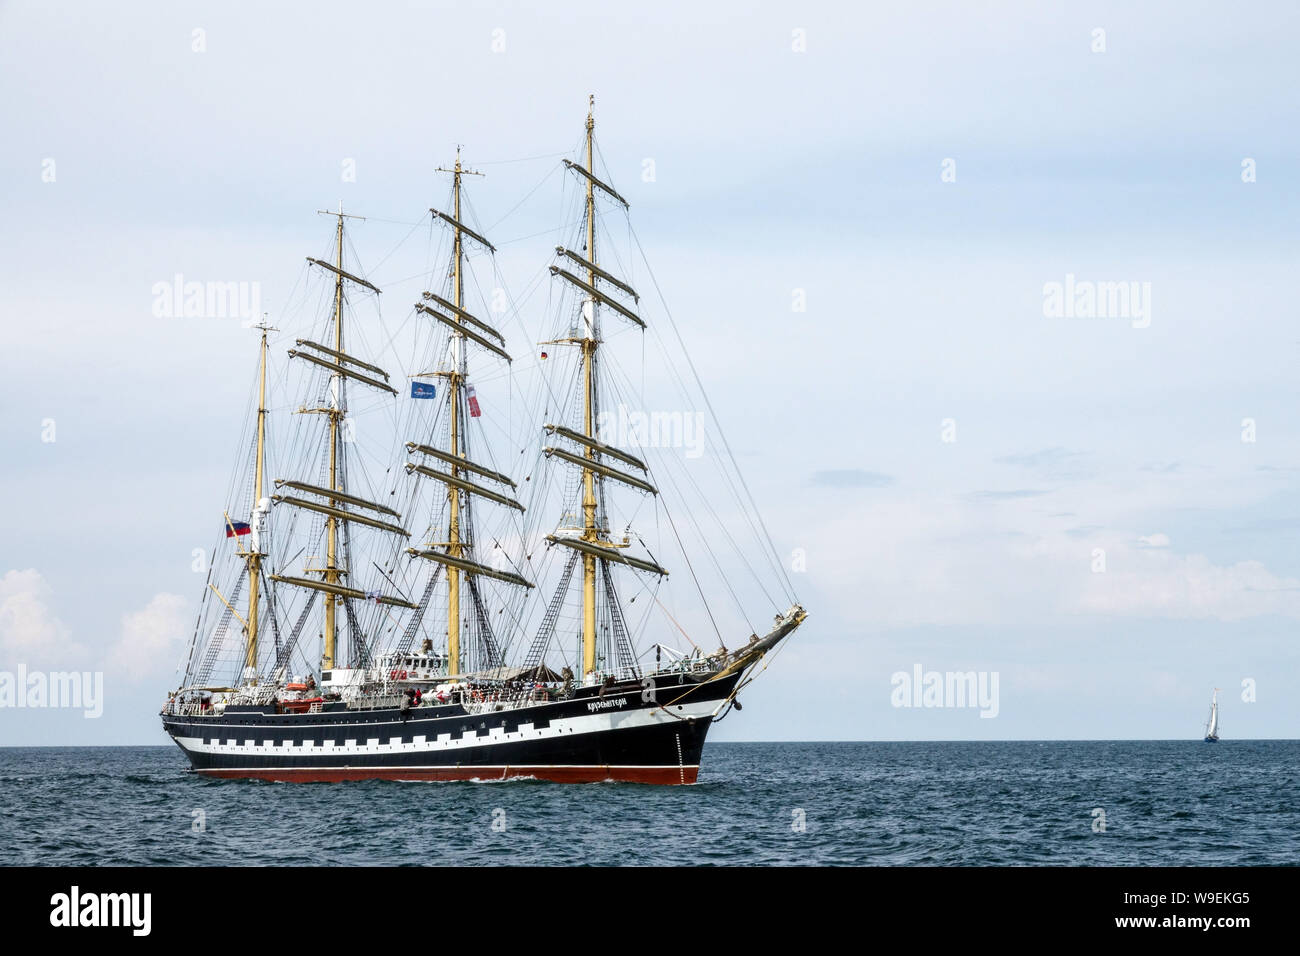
[(30, 632), (153, 637), (1054, 463), (1154, 540), (1038, 459), (1083, 531), (851, 478), (1009, 495), (954, 562), (1158, 583)]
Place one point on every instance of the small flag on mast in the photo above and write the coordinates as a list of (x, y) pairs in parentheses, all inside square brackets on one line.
[(234, 528), (423, 390), (474, 410)]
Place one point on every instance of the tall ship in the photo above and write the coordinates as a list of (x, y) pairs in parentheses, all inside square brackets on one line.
[(408, 588)]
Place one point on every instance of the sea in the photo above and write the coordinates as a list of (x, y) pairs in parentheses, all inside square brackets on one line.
[(1091, 803)]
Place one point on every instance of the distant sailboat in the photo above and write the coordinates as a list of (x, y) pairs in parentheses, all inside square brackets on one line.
[(1212, 727)]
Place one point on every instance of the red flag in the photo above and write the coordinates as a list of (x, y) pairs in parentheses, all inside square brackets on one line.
[(474, 410)]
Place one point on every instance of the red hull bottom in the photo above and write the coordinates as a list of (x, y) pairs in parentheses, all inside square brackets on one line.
[(554, 774)]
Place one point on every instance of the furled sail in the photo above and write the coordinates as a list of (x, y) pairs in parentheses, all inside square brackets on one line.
[(464, 316), (335, 496), (340, 514), (592, 267), (341, 590), (463, 485), (459, 462), (595, 293), (587, 175), (343, 370), (605, 471), (338, 271), (596, 445), (469, 567), (609, 554), (464, 229), (461, 329), (342, 357)]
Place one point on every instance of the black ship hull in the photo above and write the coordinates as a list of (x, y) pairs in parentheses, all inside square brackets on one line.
[(638, 732)]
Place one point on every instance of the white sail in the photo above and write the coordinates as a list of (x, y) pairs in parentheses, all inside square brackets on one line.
[(1212, 728)]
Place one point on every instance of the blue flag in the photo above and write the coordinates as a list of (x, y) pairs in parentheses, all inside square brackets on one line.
[(423, 390)]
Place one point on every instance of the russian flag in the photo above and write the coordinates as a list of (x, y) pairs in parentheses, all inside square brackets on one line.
[(234, 528), (474, 411)]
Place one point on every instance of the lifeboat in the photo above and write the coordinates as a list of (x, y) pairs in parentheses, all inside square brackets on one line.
[(301, 705)]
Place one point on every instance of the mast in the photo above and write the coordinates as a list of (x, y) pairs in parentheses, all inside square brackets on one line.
[(338, 506), (335, 415), (455, 379), (255, 552), (591, 539), (589, 532), (454, 554)]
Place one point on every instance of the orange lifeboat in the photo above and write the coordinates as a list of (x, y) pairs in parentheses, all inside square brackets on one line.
[(300, 706)]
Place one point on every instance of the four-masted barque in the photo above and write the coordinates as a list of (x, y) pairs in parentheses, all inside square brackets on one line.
[(443, 655)]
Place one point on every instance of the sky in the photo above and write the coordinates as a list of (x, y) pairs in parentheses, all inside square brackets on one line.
[(857, 213)]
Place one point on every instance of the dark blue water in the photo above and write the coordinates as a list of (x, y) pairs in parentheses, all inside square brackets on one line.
[(1237, 802)]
